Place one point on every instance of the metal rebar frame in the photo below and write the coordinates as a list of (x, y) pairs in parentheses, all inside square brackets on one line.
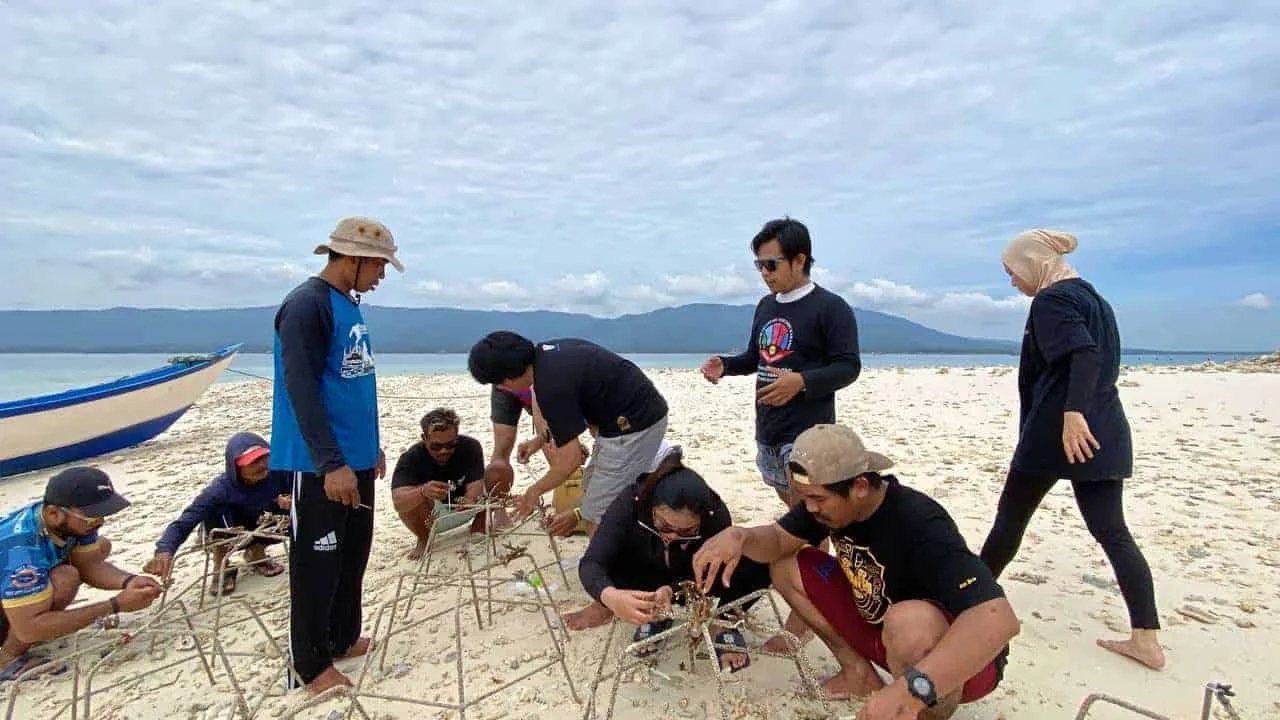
[(96, 648), (386, 627), (698, 630), (1219, 691), (487, 505), (170, 618)]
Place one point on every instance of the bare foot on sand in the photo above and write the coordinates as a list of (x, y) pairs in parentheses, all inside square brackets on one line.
[(784, 644), (1143, 646), (593, 615), (416, 552), (849, 684), (362, 646), (326, 680)]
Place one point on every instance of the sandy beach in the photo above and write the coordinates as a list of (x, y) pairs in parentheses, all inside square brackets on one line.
[(1204, 505)]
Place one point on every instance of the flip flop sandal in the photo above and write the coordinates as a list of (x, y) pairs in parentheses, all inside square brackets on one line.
[(269, 568), (646, 631), (26, 661), (228, 584), (732, 637)]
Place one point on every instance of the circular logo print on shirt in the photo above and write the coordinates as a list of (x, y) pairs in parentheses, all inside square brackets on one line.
[(775, 340), (25, 577)]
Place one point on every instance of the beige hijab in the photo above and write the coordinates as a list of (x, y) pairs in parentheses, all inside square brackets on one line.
[(1035, 256)]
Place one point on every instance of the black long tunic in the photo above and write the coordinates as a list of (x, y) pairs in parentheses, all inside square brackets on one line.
[(1071, 361)]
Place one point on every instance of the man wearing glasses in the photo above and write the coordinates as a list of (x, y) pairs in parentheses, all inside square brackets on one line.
[(47, 550), (803, 348), (436, 476)]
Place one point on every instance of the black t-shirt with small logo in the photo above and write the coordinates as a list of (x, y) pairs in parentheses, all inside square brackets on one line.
[(577, 382), (417, 467), (909, 549)]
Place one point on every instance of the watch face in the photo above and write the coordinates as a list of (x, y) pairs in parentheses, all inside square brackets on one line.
[(921, 685)]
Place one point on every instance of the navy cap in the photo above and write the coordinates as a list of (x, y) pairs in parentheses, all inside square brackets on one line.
[(87, 489)]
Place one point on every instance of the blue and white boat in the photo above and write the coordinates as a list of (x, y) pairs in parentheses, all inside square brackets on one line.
[(67, 427)]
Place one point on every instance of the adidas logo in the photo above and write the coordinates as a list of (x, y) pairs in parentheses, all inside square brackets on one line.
[(328, 543)]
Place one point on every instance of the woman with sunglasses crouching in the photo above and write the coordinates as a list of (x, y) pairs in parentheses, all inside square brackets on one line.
[(644, 548)]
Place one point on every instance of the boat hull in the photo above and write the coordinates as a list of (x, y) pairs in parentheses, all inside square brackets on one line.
[(73, 426)]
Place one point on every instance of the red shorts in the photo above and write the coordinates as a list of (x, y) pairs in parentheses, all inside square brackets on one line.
[(828, 589)]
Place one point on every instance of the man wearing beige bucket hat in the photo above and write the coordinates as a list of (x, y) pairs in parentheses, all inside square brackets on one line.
[(903, 592), (325, 445)]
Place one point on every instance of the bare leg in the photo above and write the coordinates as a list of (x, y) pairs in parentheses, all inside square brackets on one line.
[(856, 677), (65, 580), (418, 520), (911, 630), (593, 615)]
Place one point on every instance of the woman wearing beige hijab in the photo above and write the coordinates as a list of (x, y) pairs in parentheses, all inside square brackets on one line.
[(1072, 426)]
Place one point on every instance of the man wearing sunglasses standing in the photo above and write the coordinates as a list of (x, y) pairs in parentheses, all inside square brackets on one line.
[(803, 348), (48, 549), (325, 445)]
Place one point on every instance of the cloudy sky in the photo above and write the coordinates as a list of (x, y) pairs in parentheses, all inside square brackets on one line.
[(617, 159)]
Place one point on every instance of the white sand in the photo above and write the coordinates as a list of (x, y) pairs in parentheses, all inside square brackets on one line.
[(1205, 507)]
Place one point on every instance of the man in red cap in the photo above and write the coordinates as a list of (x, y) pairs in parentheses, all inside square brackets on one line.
[(48, 549), (237, 498)]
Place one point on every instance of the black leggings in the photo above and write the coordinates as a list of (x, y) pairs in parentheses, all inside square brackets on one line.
[(1101, 504)]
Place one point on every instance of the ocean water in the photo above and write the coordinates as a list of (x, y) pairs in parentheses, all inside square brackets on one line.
[(25, 375)]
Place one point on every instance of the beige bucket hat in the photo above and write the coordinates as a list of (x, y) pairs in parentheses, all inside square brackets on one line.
[(833, 453), (362, 237)]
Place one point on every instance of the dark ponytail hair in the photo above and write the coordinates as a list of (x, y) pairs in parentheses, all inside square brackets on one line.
[(675, 486)]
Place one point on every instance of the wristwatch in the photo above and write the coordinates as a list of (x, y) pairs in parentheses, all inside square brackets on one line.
[(921, 687)]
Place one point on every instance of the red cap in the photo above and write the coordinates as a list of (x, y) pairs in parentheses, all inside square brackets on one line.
[(251, 454)]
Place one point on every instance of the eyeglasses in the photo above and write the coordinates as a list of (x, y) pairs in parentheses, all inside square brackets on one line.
[(662, 530), (437, 446), (770, 264), (91, 521)]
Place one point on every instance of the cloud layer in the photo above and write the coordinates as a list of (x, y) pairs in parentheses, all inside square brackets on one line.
[(616, 158)]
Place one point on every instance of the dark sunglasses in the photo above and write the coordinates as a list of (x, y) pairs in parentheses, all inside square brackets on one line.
[(770, 264), (443, 446), (661, 530)]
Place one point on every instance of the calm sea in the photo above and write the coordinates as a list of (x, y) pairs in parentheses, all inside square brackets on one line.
[(36, 374)]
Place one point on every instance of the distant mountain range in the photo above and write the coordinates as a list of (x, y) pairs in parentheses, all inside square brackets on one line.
[(694, 328)]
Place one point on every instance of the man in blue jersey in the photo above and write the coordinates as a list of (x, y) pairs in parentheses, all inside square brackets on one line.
[(325, 444), (50, 548)]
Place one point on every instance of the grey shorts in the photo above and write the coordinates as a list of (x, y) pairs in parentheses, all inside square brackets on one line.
[(615, 464), (772, 462)]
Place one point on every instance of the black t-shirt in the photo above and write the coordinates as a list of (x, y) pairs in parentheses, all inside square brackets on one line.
[(578, 382), (816, 336), (909, 549), (505, 406), (466, 465), (1066, 317)]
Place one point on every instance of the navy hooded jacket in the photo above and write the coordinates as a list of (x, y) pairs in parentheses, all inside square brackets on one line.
[(226, 495)]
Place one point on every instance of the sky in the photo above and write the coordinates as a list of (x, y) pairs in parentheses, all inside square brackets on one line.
[(612, 158)]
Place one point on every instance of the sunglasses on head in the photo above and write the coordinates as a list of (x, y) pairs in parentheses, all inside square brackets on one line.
[(770, 264), (443, 445)]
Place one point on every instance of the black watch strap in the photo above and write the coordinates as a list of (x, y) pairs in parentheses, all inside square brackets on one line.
[(921, 687)]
